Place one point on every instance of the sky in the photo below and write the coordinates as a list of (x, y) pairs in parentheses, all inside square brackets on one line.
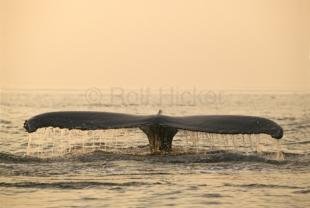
[(223, 44)]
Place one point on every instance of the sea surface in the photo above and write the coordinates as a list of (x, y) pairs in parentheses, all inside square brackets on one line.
[(113, 168)]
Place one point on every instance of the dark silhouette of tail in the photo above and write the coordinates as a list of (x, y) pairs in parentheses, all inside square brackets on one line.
[(160, 129)]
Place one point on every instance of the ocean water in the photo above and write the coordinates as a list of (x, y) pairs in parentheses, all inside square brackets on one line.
[(113, 168)]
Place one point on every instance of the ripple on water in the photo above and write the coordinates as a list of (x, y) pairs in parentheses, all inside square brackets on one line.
[(71, 184), (210, 157)]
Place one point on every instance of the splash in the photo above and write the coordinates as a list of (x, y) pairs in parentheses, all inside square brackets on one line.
[(55, 142)]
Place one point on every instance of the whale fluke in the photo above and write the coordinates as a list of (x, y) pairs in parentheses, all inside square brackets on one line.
[(160, 129)]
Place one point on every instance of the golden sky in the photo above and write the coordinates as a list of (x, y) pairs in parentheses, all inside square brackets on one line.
[(222, 44)]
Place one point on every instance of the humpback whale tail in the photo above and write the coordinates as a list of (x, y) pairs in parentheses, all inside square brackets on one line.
[(160, 129)]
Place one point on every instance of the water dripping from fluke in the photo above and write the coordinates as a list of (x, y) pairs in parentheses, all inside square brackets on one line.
[(55, 143), (80, 132)]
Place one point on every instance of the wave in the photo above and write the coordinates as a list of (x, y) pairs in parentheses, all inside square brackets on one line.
[(300, 142), (259, 185), (304, 191), (209, 157), (8, 158), (3, 121), (71, 184)]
